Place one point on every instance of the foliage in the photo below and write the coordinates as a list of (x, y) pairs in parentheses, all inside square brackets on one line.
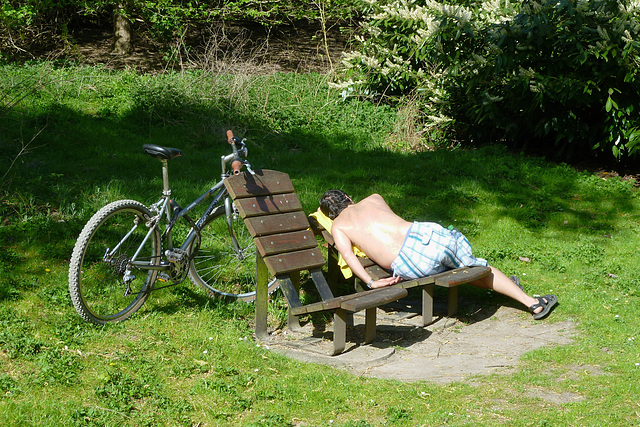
[(185, 359), (163, 19), (560, 76)]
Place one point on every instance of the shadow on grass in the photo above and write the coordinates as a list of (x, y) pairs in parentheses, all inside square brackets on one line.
[(85, 161)]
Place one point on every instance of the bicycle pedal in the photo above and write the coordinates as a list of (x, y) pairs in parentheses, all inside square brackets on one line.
[(163, 277), (176, 255)]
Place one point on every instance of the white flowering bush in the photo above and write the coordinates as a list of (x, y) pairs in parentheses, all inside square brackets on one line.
[(558, 74)]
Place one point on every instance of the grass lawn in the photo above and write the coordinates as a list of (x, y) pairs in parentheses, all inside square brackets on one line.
[(71, 141)]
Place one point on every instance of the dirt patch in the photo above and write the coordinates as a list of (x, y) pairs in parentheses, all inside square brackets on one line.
[(490, 341), (552, 397), (219, 47), (625, 175)]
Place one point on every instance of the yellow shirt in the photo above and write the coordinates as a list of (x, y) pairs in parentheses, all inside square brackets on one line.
[(327, 222)]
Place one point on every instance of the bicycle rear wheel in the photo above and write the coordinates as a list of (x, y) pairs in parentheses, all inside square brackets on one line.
[(221, 268), (97, 270)]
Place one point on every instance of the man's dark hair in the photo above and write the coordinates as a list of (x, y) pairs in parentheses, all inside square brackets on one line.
[(333, 202)]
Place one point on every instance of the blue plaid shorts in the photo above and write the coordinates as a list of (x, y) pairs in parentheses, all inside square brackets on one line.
[(430, 248)]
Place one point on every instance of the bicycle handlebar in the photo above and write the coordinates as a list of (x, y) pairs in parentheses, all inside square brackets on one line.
[(236, 164)]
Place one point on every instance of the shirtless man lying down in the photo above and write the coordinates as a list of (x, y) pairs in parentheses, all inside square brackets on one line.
[(410, 249)]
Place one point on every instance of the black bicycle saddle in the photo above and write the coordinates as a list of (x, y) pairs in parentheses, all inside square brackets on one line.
[(164, 153)]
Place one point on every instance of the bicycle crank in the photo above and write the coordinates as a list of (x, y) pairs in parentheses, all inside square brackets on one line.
[(179, 264)]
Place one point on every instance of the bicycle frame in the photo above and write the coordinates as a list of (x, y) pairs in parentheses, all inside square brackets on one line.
[(162, 209)]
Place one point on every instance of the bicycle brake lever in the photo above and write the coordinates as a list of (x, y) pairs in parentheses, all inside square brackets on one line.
[(248, 166)]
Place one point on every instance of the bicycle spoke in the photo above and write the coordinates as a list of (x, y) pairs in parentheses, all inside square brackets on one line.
[(105, 285), (219, 268)]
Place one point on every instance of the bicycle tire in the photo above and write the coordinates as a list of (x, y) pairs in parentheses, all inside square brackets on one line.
[(97, 287), (221, 270)]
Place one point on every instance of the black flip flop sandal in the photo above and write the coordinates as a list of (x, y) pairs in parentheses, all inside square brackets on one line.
[(547, 306)]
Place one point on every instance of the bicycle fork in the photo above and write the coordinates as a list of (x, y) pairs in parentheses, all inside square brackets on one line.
[(230, 215)]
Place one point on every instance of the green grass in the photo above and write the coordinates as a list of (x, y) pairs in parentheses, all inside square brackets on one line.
[(184, 359)]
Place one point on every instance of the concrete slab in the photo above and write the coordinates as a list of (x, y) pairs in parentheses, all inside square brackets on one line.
[(485, 341)]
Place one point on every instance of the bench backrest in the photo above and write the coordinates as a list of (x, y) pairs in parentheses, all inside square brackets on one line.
[(274, 216)]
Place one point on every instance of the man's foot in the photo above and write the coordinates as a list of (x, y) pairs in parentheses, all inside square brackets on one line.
[(546, 302)]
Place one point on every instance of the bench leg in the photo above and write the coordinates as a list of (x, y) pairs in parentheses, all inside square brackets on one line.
[(293, 322), (453, 301), (339, 331), (350, 321), (427, 305), (262, 297), (357, 285), (370, 325), (333, 270)]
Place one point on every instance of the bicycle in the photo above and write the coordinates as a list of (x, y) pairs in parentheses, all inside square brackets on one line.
[(122, 251)]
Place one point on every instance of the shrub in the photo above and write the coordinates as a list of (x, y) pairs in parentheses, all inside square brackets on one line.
[(561, 76)]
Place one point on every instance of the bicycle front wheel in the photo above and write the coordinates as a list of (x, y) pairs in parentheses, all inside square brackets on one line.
[(225, 264), (105, 283)]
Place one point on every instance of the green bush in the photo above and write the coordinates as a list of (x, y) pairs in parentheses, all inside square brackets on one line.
[(560, 76)]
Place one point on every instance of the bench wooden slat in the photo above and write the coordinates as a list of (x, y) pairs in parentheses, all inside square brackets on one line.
[(319, 230), (262, 205), (376, 272), (315, 307), (415, 283), (354, 302), (366, 262), (373, 299), (263, 182), (294, 261), (462, 275), (445, 279), (285, 242), (278, 223)]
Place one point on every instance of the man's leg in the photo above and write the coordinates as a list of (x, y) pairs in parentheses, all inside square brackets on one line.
[(499, 282)]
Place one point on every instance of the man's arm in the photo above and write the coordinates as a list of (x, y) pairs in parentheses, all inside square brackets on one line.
[(344, 246)]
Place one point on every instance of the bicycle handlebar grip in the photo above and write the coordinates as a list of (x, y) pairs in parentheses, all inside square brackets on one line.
[(236, 166), (230, 136)]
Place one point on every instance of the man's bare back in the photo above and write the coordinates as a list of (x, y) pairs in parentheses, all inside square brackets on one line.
[(373, 227)]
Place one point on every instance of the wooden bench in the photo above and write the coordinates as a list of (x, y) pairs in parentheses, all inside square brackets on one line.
[(449, 279), (285, 246)]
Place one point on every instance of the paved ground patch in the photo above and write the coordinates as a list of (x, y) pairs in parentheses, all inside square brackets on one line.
[(451, 349)]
